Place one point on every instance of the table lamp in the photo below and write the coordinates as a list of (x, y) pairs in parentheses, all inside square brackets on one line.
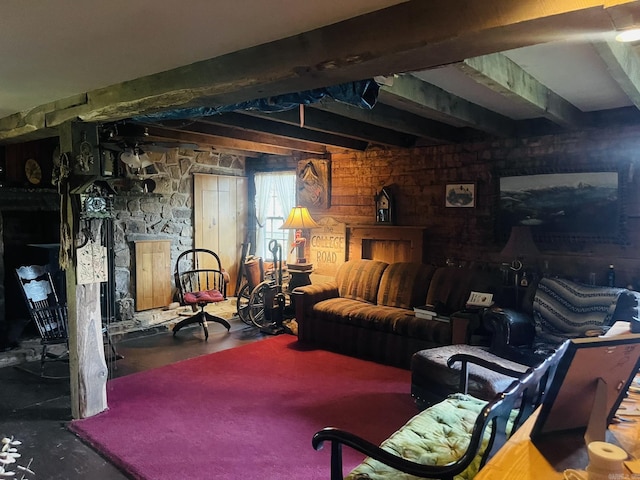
[(520, 246), (298, 220)]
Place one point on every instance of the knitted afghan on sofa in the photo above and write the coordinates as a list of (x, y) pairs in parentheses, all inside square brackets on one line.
[(564, 309)]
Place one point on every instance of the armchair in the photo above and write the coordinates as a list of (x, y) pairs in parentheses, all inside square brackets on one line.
[(558, 309), (453, 438), (553, 311)]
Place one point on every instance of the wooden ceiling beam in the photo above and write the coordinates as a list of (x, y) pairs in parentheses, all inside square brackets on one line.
[(391, 118), (623, 64), (417, 35), (409, 92), (158, 134), (267, 125), (502, 75), (266, 139), (335, 124)]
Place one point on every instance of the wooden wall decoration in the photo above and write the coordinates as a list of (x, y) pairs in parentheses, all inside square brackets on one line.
[(153, 274), (328, 246), (313, 183)]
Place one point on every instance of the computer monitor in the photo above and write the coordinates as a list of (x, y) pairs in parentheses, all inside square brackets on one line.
[(591, 380)]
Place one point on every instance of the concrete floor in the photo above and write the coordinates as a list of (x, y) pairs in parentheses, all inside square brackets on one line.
[(35, 410)]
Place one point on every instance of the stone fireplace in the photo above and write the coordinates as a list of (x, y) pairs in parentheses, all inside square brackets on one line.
[(30, 231), (30, 227)]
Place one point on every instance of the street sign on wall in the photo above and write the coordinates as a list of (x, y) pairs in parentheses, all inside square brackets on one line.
[(328, 246)]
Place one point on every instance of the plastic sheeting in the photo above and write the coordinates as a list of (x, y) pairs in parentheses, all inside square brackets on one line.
[(363, 94)]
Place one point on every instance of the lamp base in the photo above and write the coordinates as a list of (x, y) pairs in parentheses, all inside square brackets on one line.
[(300, 267)]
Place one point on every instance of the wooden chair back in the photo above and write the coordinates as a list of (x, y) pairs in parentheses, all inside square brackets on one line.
[(43, 303), (199, 270)]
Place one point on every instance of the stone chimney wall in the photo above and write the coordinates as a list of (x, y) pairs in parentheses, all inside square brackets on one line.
[(164, 213)]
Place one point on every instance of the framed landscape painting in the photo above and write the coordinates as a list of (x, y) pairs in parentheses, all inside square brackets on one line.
[(580, 205)]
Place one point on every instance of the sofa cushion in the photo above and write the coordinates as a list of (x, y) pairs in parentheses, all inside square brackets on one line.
[(337, 310), (377, 317), (405, 284), (436, 436), (399, 321), (360, 279), (435, 331), (562, 308)]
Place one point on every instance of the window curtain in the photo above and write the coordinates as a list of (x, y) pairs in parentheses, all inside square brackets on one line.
[(284, 184), (286, 188)]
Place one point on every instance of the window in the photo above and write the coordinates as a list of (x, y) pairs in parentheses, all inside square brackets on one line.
[(275, 197)]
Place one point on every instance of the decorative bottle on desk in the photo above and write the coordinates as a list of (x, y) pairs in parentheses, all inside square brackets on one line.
[(611, 276)]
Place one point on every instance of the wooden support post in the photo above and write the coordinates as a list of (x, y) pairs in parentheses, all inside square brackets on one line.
[(88, 369)]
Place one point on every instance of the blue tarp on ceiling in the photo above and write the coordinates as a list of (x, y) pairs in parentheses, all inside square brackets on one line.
[(363, 94)]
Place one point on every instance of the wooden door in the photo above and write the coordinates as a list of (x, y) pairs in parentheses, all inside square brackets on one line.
[(153, 274), (220, 219)]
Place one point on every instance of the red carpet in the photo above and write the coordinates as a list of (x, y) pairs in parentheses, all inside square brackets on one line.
[(248, 412)]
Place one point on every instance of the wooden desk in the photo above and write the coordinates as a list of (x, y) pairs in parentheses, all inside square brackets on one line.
[(520, 459)]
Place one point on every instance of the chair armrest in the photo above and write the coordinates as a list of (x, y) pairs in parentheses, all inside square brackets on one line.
[(305, 297), (309, 295), (465, 359), (339, 437), (509, 328)]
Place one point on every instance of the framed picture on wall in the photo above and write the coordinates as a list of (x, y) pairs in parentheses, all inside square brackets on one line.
[(460, 195), (586, 205), (313, 183)]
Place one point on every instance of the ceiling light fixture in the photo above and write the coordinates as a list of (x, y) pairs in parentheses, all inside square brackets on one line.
[(631, 35), (135, 158)]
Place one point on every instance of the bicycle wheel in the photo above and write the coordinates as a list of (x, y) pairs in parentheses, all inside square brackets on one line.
[(242, 305), (257, 304)]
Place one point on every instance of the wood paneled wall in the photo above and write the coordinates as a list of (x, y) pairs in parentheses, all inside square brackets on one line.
[(419, 176)]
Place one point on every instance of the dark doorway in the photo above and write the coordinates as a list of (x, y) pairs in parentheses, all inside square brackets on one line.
[(30, 238)]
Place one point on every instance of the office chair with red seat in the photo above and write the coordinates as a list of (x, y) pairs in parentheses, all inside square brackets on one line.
[(200, 280)]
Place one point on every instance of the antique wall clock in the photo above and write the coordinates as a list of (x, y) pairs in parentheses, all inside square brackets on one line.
[(96, 200)]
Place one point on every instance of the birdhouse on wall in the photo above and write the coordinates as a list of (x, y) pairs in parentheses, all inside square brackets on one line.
[(385, 207)]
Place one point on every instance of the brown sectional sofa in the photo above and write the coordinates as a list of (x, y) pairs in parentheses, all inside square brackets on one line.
[(367, 311)]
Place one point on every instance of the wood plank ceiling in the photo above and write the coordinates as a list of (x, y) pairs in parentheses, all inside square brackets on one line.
[(452, 71)]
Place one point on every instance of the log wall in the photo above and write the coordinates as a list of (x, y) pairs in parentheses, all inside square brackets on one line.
[(467, 235)]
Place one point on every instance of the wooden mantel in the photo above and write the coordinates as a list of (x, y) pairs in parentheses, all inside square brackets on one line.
[(388, 243)]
